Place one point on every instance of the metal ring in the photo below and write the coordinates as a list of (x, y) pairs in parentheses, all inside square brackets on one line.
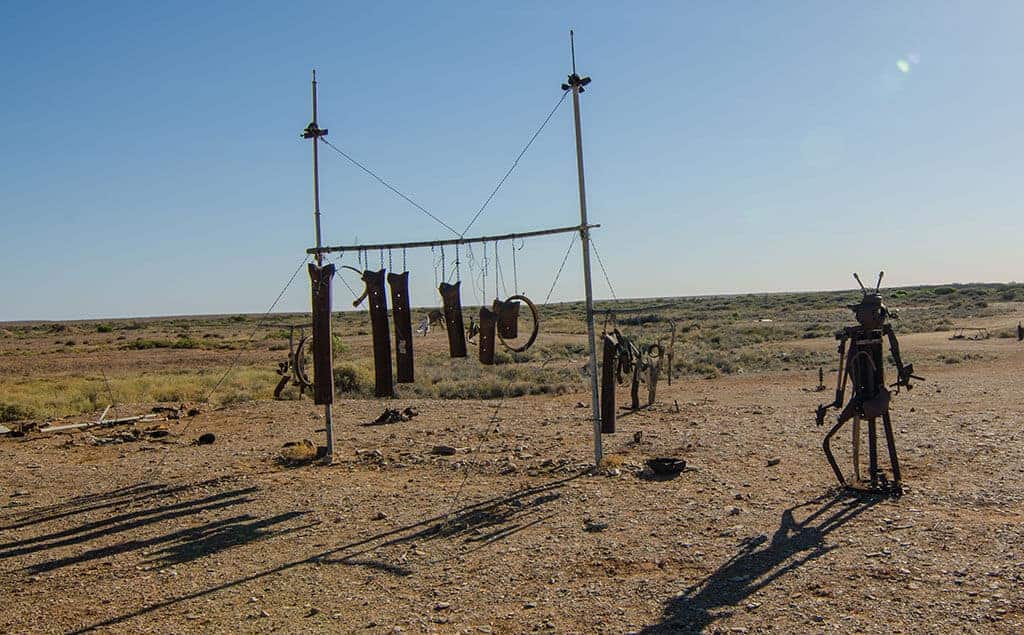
[(536, 325), (300, 365)]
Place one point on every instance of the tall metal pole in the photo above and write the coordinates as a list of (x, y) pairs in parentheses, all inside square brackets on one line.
[(316, 180), (314, 132), (576, 83)]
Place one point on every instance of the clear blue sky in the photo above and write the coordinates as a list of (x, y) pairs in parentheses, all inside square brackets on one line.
[(152, 163)]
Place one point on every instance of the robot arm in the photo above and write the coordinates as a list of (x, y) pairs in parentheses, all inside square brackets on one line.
[(905, 371), (842, 336)]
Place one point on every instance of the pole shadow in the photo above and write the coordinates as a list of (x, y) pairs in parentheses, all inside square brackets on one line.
[(144, 509), (464, 521)]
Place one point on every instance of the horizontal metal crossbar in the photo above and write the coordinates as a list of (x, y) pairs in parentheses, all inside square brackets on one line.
[(451, 241)]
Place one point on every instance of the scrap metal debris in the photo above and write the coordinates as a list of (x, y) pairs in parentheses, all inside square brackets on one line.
[(393, 415)]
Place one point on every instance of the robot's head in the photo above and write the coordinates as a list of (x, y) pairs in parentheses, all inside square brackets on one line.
[(870, 311)]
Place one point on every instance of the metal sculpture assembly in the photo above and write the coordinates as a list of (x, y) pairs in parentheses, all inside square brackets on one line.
[(860, 360), (293, 370), (498, 324)]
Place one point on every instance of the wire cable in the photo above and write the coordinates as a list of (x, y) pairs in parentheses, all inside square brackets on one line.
[(572, 242), (389, 186), (238, 355), (515, 163), (603, 270)]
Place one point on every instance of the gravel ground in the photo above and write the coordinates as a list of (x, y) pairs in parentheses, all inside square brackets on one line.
[(512, 533)]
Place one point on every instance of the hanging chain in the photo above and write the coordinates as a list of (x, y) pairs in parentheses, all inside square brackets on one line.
[(458, 273), (381, 258), (483, 274), (404, 266), (391, 266), (515, 272), (444, 276), (497, 270), (433, 261)]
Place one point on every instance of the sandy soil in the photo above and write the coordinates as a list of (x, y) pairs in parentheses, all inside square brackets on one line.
[(508, 535)]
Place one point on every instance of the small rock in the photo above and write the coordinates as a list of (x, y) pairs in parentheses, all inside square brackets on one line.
[(380, 516), (443, 450), (530, 605), (264, 613), (774, 461), (440, 606)]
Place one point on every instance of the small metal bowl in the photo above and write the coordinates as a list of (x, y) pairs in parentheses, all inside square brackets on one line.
[(666, 466)]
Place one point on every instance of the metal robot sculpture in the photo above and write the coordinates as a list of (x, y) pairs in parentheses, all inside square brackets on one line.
[(862, 364)]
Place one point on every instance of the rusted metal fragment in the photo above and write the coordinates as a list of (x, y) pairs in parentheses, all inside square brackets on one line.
[(450, 294), (608, 364), (400, 310), (508, 318), (320, 279), (488, 320), (383, 384)]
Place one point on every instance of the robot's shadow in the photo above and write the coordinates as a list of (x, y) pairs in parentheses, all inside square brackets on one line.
[(760, 560)]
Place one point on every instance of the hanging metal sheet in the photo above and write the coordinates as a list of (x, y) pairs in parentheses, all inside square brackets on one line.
[(320, 279), (450, 295), (399, 284), (383, 385), (488, 320)]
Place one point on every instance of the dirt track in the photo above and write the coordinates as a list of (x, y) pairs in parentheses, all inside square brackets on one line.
[(169, 537)]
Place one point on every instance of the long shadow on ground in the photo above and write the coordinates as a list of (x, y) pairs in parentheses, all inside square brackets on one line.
[(761, 562), (476, 522), (126, 520)]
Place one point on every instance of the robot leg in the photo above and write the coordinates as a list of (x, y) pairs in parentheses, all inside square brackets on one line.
[(828, 452)]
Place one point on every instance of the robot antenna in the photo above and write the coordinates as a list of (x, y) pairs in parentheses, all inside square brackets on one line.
[(879, 285), (857, 278)]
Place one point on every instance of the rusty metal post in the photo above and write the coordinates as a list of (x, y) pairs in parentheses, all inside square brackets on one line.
[(611, 346)]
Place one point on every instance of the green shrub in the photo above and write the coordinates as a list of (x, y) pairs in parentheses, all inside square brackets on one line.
[(141, 345), (352, 379), (104, 328), (14, 412)]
